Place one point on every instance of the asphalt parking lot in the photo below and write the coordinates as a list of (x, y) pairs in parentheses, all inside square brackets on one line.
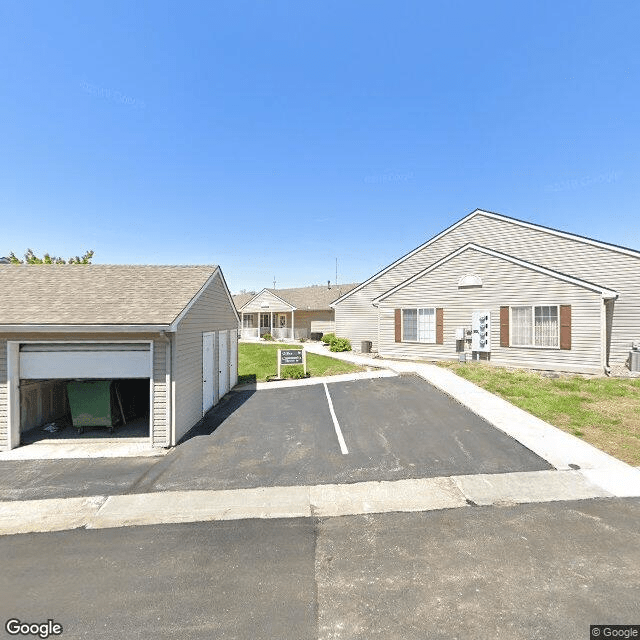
[(393, 428), (537, 571)]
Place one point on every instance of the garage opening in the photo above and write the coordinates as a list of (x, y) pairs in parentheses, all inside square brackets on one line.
[(84, 391)]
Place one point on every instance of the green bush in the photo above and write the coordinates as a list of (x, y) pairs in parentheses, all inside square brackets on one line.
[(340, 344), (267, 336), (303, 339), (294, 372), (328, 338)]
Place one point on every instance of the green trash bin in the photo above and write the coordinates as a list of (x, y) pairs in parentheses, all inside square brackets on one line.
[(91, 404)]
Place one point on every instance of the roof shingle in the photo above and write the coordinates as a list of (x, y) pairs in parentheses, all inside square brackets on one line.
[(97, 294), (313, 298)]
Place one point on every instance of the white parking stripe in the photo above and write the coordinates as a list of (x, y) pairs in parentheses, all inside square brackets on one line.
[(343, 445)]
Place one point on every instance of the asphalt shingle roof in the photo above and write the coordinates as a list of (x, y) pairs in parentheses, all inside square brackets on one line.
[(315, 297), (97, 294)]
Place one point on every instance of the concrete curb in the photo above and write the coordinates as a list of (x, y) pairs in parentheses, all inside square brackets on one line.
[(77, 450), (423, 494), (305, 382)]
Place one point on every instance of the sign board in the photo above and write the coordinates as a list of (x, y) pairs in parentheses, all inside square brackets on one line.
[(292, 356)]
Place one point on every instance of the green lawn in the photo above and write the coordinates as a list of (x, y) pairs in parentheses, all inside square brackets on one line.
[(257, 361), (603, 411)]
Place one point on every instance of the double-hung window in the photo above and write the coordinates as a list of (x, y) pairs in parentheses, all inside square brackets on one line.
[(535, 326), (419, 325)]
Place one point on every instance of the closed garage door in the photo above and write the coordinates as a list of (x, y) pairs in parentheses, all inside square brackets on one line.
[(84, 360)]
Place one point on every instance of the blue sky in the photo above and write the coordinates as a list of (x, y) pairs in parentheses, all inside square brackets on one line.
[(274, 137)]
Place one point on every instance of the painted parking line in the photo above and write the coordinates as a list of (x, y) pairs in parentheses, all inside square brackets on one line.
[(336, 424)]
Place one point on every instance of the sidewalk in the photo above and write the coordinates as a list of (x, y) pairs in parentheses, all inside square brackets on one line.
[(559, 448)]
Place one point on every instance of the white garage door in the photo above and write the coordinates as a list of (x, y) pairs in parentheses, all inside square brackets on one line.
[(85, 360)]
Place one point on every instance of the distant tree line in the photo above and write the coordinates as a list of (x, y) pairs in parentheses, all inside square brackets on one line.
[(31, 258)]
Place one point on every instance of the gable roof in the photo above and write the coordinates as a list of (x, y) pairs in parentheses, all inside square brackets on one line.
[(313, 298), (240, 299), (470, 246), (497, 216), (99, 294)]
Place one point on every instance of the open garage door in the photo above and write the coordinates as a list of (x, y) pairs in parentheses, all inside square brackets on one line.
[(84, 360), (82, 390)]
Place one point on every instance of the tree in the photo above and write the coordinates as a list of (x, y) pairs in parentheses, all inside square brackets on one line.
[(31, 258)]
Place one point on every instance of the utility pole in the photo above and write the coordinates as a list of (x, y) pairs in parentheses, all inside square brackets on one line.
[(336, 272), (274, 282)]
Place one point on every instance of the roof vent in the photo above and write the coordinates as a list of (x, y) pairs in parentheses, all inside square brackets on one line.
[(470, 280)]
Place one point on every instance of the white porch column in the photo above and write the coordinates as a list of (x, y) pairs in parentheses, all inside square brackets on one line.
[(242, 323), (271, 327), (293, 325)]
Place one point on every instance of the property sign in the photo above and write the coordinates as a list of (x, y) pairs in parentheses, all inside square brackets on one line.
[(291, 356)]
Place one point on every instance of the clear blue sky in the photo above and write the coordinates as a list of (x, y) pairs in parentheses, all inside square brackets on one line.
[(274, 137)]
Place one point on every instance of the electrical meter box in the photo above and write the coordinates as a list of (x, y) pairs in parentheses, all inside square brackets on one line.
[(481, 331)]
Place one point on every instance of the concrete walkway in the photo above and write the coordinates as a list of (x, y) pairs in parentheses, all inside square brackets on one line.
[(559, 448), (325, 500)]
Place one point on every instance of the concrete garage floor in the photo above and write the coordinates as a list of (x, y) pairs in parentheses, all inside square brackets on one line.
[(537, 571), (394, 428)]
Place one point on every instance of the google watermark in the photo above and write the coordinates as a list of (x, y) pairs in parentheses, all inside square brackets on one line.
[(15, 627)]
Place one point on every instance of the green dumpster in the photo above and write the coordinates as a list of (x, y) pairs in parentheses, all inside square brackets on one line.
[(91, 404)]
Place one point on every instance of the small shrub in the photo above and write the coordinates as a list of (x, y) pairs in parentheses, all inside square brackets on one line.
[(303, 339), (294, 372), (340, 344), (267, 336), (328, 338)]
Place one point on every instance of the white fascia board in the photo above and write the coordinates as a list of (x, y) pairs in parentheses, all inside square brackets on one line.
[(210, 279), (84, 328), (406, 256), (229, 296), (606, 293), (496, 216)]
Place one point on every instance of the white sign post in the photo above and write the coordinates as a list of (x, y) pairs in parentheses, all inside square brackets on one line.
[(292, 356)]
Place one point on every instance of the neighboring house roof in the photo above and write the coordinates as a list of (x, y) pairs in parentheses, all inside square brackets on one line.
[(606, 293), (497, 216), (313, 298), (240, 299), (99, 294)]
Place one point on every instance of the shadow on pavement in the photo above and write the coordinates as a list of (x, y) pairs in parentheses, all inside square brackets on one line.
[(218, 414)]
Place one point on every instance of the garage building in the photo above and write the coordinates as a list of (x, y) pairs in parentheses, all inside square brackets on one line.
[(150, 348)]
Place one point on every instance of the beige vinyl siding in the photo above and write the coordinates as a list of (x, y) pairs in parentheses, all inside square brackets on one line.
[(356, 317), (4, 431), (213, 311), (160, 433), (504, 284), (266, 297)]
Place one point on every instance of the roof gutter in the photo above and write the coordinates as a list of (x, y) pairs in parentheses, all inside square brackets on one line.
[(84, 328)]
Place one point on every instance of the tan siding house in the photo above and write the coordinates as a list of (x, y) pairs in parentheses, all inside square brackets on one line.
[(289, 314), (138, 326), (609, 330)]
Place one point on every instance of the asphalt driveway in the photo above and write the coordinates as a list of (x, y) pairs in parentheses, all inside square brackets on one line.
[(393, 428)]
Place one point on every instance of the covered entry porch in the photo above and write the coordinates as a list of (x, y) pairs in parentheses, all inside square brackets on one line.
[(278, 323)]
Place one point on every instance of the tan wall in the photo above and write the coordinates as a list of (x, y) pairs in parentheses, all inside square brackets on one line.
[(212, 312), (160, 408), (504, 284), (356, 318)]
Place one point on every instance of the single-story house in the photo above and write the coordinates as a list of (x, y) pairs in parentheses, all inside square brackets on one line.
[(505, 290), (289, 313), (161, 339)]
